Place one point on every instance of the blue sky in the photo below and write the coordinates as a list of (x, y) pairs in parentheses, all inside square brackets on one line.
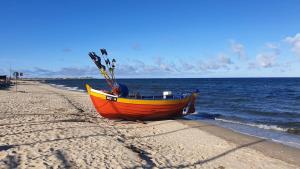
[(166, 38)]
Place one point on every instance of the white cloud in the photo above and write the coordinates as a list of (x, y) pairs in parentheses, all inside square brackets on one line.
[(224, 60), (139, 68), (274, 47), (165, 66), (238, 49), (189, 66), (271, 45), (295, 43), (267, 59), (63, 72), (160, 67), (219, 62), (134, 68)]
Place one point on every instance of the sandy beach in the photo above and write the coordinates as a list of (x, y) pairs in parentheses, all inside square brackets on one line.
[(45, 127)]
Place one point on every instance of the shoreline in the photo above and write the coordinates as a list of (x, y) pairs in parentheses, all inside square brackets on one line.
[(268, 147), (58, 124)]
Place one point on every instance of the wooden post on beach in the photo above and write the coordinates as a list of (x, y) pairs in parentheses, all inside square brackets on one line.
[(16, 74), (17, 81)]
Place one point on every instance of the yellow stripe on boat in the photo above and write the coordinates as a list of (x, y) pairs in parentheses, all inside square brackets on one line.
[(137, 101)]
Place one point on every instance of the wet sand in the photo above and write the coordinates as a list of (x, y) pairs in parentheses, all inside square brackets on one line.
[(46, 127)]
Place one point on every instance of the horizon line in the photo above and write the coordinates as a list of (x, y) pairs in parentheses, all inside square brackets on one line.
[(53, 78)]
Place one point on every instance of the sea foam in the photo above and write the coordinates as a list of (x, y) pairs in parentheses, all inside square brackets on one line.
[(262, 126)]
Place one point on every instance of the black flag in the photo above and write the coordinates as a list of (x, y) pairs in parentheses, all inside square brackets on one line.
[(107, 62), (97, 60), (103, 51)]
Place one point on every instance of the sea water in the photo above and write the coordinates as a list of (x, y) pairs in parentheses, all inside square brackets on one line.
[(263, 107)]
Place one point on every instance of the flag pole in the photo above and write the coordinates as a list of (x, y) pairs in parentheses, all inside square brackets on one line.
[(16, 81)]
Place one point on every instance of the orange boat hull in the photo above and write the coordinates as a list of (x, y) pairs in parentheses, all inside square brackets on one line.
[(133, 109)]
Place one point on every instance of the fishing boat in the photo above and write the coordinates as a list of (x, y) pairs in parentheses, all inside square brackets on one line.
[(130, 108), (119, 104)]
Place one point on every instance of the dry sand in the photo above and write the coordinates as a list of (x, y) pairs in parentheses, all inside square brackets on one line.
[(45, 127)]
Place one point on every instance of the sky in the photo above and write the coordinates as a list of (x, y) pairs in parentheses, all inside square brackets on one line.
[(151, 38)]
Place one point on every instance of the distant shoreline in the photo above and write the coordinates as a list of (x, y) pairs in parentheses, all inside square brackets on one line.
[(70, 78)]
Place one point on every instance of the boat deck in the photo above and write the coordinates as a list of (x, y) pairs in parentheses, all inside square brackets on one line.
[(157, 97)]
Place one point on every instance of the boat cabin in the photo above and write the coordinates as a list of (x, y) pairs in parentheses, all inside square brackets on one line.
[(166, 95)]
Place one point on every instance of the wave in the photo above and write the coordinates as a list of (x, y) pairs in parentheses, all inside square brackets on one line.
[(195, 113), (208, 115), (56, 85), (67, 88), (262, 126), (276, 114), (74, 89), (293, 131), (292, 143)]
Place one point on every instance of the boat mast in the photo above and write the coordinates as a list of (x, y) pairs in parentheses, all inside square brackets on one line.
[(110, 65)]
